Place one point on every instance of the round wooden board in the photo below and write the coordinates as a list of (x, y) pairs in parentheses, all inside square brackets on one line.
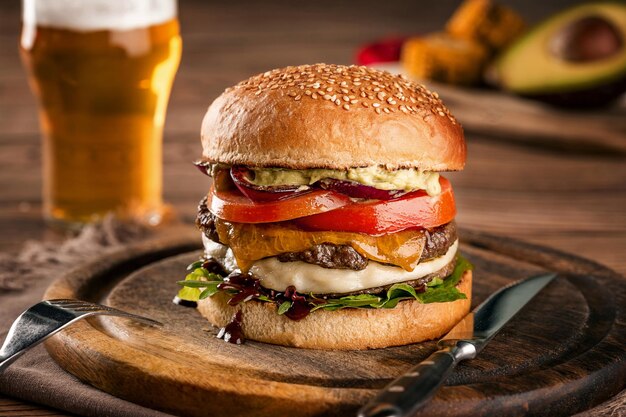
[(563, 353)]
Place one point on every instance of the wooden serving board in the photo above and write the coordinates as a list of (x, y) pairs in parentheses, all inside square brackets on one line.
[(565, 352)]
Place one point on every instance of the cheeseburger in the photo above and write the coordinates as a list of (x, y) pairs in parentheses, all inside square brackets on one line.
[(328, 223)]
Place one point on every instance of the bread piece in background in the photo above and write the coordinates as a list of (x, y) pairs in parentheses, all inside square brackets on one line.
[(484, 21), (441, 57)]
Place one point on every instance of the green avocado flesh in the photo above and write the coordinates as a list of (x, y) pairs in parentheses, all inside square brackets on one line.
[(531, 66), (402, 179)]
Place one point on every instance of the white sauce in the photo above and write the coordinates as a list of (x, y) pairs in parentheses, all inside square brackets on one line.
[(313, 278), (89, 15), (220, 252)]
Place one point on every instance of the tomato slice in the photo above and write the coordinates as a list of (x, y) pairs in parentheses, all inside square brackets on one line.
[(233, 206), (416, 209)]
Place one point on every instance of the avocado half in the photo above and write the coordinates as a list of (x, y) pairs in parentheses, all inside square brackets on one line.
[(533, 67)]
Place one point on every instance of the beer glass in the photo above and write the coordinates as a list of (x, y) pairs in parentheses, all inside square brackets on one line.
[(102, 71)]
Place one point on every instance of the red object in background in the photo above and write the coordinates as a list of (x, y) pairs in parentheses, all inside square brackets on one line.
[(386, 50)]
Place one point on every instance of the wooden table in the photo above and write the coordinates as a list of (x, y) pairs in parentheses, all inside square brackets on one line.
[(567, 198)]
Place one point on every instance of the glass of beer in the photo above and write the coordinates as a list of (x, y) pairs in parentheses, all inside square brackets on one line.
[(102, 71)]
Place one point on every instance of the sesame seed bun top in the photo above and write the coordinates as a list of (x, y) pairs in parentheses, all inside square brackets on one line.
[(332, 116)]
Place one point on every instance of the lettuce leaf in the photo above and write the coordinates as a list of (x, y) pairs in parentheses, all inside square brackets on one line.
[(284, 306), (200, 284), (447, 291), (438, 290)]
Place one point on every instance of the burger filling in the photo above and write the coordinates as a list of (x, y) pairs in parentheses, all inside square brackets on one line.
[(337, 250), (407, 179), (374, 176), (313, 279), (326, 239)]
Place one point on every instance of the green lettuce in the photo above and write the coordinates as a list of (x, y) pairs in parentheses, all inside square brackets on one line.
[(200, 284), (437, 291)]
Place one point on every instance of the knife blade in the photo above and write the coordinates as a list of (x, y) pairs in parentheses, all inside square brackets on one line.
[(468, 338)]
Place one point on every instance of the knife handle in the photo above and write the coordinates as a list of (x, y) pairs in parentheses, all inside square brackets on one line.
[(406, 394)]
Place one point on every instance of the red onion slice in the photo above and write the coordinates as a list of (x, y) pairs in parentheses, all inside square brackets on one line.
[(202, 167), (262, 192), (240, 175), (356, 190)]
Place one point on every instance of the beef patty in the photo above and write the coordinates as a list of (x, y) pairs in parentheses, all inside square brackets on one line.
[(328, 255)]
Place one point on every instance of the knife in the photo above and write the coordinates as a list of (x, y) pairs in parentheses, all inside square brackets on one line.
[(407, 394)]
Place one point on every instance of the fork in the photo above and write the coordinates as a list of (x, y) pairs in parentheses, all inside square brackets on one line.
[(46, 318)]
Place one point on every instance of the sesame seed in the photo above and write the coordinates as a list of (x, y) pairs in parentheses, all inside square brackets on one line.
[(346, 106), (377, 89)]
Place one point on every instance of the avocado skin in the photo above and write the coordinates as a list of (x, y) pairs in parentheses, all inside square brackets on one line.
[(591, 97), (596, 87)]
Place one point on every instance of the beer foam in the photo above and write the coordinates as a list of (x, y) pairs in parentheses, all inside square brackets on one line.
[(89, 15)]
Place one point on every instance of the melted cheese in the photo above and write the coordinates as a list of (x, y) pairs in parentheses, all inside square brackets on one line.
[(310, 278), (252, 242)]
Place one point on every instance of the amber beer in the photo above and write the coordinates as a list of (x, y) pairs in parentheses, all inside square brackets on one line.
[(102, 71)]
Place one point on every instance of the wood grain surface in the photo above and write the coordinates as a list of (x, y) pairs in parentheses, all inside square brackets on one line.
[(517, 185), (543, 363)]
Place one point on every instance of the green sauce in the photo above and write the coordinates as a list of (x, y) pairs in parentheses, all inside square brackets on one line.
[(374, 176)]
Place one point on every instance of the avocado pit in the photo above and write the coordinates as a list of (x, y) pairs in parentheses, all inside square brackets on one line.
[(588, 39)]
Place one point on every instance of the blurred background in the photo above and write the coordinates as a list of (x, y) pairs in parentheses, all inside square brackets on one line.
[(224, 42)]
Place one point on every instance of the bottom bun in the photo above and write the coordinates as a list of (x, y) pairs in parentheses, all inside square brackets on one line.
[(409, 322)]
